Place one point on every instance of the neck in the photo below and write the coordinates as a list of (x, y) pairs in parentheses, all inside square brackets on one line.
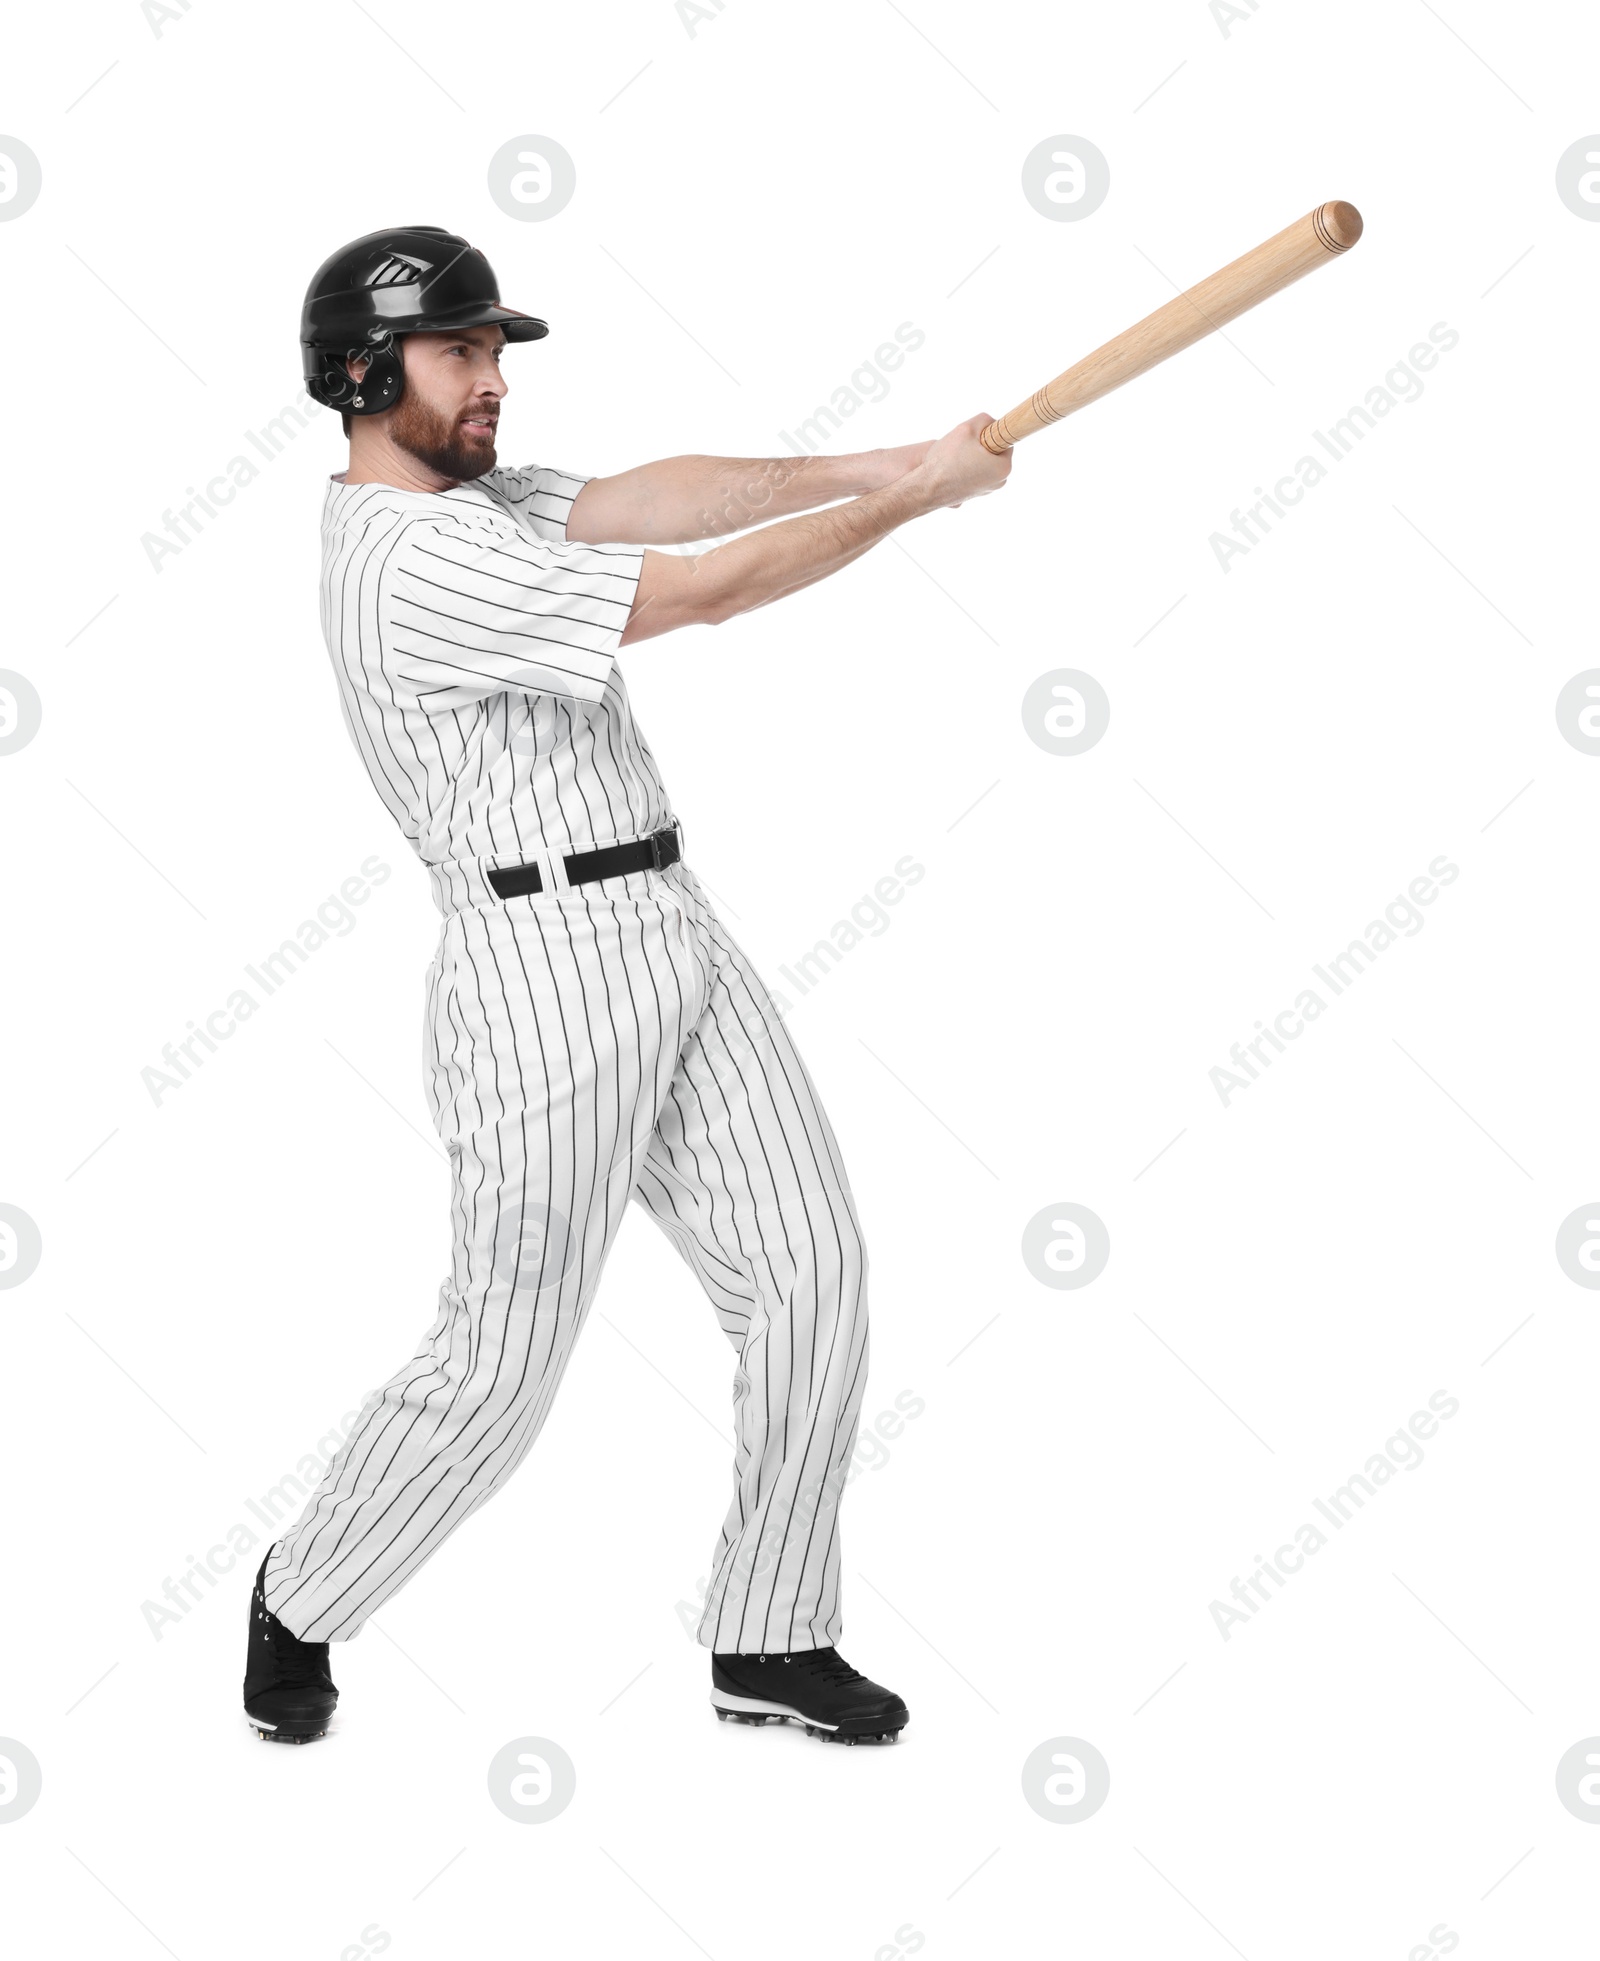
[(374, 459)]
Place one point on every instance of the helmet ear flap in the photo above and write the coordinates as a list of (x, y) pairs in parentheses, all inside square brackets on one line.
[(381, 385)]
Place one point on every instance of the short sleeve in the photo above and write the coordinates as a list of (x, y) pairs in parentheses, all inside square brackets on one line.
[(474, 607), (537, 497)]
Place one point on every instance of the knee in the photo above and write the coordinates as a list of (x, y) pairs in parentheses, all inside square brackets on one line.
[(839, 1278), (853, 1262), (831, 1257)]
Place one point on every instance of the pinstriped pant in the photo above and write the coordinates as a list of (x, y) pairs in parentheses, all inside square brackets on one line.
[(585, 1046)]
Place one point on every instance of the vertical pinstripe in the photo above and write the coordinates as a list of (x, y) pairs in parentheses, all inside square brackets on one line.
[(583, 1045), (473, 649)]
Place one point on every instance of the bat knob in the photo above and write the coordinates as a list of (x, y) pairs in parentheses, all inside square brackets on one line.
[(1338, 225)]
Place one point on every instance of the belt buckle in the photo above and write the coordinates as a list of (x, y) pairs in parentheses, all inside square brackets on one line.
[(661, 841)]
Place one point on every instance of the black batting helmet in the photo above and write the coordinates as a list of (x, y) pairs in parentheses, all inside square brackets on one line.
[(410, 279)]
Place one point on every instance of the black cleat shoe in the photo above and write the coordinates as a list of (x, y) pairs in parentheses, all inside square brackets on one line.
[(289, 1695), (816, 1687)]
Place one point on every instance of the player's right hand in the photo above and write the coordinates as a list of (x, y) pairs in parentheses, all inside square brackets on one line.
[(958, 466)]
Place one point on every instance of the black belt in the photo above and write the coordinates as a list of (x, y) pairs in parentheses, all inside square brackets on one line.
[(649, 854)]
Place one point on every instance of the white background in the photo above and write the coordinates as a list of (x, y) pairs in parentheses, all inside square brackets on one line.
[(227, 1273)]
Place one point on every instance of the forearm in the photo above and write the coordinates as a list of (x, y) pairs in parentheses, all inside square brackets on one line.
[(685, 498), (836, 547), (754, 570), (709, 587)]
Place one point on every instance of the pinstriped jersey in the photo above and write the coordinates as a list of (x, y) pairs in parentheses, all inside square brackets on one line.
[(475, 651)]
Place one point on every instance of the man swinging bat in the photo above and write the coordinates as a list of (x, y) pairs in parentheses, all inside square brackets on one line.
[(593, 1033)]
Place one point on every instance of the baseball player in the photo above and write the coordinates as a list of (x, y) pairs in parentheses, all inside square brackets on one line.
[(592, 1032)]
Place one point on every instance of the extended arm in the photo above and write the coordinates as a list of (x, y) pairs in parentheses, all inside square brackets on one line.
[(752, 571), (683, 498)]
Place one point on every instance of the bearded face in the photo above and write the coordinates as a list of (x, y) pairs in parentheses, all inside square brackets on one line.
[(455, 440), (449, 411)]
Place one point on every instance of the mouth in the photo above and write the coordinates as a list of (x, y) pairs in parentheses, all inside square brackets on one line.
[(483, 425)]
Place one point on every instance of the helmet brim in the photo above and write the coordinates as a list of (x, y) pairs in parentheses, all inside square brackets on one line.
[(514, 325)]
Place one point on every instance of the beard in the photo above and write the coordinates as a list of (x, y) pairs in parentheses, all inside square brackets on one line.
[(440, 441)]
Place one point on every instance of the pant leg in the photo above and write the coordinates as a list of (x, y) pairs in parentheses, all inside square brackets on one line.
[(553, 1031), (744, 1176)]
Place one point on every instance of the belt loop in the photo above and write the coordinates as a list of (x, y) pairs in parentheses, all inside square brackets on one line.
[(552, 868), (553, 865)]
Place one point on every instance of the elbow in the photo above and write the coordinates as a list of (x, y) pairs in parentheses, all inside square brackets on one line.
[(670, 615), (699, 590)]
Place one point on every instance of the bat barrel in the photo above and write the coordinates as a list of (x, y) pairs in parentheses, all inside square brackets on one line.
[(1300, 248)]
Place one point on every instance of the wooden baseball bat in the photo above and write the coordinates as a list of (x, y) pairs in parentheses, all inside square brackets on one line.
[(1321, 235)]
